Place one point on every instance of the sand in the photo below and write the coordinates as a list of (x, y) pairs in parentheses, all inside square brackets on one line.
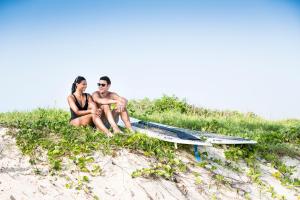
[(19, 179)]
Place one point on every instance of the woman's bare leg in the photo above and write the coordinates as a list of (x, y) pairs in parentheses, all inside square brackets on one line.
[(89, 119), (82, 121)]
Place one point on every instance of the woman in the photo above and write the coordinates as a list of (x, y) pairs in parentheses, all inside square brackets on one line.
[(83, 110)]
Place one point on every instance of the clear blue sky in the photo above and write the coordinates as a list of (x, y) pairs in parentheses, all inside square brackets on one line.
[(236, 55)]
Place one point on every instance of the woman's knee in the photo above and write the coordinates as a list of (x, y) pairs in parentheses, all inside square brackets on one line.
[(75, 122), (89, 117), (82, 121)]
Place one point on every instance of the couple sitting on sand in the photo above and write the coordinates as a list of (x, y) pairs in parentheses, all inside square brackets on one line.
[(96, 109)]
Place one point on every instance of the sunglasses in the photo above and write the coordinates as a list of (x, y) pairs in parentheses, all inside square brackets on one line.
[(101, 84)]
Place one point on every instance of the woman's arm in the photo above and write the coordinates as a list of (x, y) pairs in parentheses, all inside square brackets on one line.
[(71, 102), (93, 106)]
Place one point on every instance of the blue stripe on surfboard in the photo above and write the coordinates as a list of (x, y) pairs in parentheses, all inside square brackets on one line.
[(180, 134)]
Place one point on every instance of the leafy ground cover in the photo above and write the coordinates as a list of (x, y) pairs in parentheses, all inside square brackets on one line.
[(275, 138), (48, 130)]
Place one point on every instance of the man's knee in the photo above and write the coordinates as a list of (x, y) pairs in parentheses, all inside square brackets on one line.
[(105, 107)]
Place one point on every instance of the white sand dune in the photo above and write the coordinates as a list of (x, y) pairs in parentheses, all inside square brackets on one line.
[(18, 179)]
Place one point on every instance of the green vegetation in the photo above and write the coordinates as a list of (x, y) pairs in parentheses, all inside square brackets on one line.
[(49, 130), (275, 138)]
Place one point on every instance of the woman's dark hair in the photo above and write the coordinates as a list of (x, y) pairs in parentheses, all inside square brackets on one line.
[(105, 78), (77, 80)]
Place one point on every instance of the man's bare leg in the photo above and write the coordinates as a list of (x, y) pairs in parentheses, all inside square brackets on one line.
[(100, 126), (125, 118), (98, 122), (116, 115), (110, 118)]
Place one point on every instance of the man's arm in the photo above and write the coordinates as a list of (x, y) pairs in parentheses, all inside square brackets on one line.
[(122, 102), (120, 99), (103, 101)]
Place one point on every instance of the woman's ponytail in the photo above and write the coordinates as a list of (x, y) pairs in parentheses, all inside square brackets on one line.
[(73, 89), (77, 80)]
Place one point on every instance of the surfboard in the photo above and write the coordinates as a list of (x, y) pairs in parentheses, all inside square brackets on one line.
[(183, 136)]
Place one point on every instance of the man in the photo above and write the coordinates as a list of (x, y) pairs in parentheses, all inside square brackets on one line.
[(104, 98)]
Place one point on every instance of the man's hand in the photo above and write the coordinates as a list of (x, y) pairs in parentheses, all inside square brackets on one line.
[(120, 106), (124, 101)]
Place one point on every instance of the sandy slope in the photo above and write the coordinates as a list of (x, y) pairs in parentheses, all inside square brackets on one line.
[(18, 179)]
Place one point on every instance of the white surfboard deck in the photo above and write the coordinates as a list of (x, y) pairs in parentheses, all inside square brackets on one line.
[(162, 135), (210, 137), (183, 136)]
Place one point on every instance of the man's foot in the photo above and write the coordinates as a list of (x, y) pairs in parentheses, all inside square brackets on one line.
[(117, 130), (109, 134), (129, 130)]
